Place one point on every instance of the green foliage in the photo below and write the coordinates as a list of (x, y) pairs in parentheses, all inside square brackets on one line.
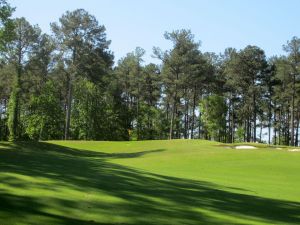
[(97, 115), (44, 119), (13, 114), (18, 52), (87, 110), (83, 51), (93, 99), (213, 109), (148, 122), (240, 134), (7, 25), (185, 73)]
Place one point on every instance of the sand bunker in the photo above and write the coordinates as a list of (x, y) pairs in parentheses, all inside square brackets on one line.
[(294, 150), (245, 147)]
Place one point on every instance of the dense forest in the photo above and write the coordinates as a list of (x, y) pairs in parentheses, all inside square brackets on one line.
[(67, 85)]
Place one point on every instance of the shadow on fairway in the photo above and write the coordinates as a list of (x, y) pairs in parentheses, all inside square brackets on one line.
[(147, 198)]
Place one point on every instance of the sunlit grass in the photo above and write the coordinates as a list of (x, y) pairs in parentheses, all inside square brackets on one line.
[(147, 182)]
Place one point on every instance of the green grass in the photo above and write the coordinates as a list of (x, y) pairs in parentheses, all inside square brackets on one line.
[(151, 182)]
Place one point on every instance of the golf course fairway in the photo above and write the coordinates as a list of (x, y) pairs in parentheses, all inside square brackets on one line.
[(178, 182)]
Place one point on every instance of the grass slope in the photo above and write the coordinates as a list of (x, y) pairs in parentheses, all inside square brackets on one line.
[(149, 182)]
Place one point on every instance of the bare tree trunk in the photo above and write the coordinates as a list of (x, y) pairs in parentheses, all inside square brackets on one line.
[(292, 122), (186, 120), (249, 129), (172, 121), (254, 117), (193, 114), (260, 134), (245, 130), (297, 129), (68, 112), (281, 121), (173, 110), (138, 118), (275, 124), (232, 124), (5, 108), (229, 133), (177, 124), (269, 122), (275, 134), (287, 130), (1, 112), (199, 124)]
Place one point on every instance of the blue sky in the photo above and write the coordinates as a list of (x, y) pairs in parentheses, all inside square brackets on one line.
[(216, 23)]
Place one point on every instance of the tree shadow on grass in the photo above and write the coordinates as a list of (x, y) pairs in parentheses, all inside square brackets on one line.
[(143, 198), (45, 147)]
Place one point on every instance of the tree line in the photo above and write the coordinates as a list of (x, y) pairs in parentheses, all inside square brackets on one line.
[(66, 85)]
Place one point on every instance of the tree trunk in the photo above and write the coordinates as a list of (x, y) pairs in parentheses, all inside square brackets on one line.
[(193, 114), (15, 105), (269, 122), (249, 129), (297, 129), (1, 135), (177, 134), (70, 95), (260, 134), (245, 130), (287, 130), (275, 124), (69, 105), (254, 117), (138, 118), (293, 112), (199, 125), (186, 119), (279, 121), (172, 121), (292, 143), (173, 110), (6, 128), (232, 123)]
